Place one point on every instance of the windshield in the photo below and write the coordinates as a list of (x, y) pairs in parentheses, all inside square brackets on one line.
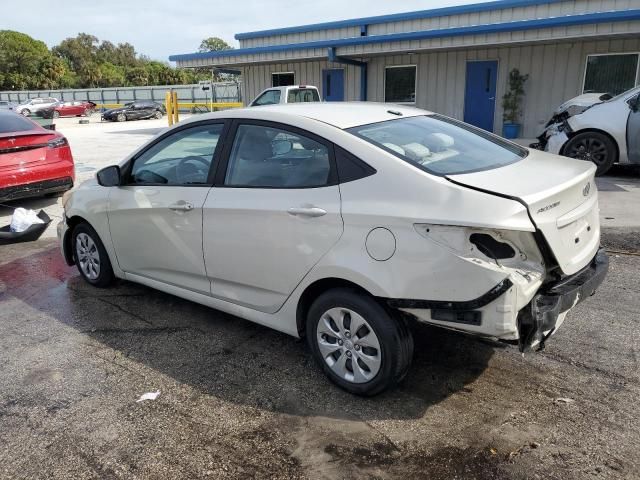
[(628, 93), (440, 145)]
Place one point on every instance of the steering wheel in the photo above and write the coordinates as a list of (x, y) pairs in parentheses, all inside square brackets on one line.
[(187, 172)]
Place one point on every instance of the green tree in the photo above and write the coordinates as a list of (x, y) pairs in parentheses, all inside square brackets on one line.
[(111, 75), (23, 61), (214, 44)]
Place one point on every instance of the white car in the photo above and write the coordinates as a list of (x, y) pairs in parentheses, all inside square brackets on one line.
[(34, 105), (288, 94), (598, 128), (343, 222)]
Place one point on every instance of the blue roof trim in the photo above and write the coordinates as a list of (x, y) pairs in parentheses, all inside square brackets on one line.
[(397, 17), (569, 20)]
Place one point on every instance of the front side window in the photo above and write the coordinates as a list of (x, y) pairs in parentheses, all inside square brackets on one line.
[(440, 145), (610, 73), (269, 97), (298, 95), (183, 158), (269, 157), (400, 84), (282, 79)]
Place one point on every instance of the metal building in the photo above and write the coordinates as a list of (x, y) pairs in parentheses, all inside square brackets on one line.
[(452, 60)]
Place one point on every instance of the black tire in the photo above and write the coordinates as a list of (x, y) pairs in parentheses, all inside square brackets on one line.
[(105, 276), (595, 147), (395, 339)]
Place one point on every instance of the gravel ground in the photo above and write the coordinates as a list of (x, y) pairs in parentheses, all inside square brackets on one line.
[(241, 401)]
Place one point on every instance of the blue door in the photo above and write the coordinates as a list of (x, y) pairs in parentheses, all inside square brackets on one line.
[(480, 94), (333, 85)]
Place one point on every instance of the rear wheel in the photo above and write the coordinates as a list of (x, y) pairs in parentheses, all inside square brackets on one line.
[(88, 112), (158, 115), (593, 146), (91, 257), (360, 346), (121, 117)]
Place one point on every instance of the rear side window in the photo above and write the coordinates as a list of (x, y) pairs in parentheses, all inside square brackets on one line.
[(270, 157), (268, 98), (300, 95), (12, 122), (441, 145), (350, 167)]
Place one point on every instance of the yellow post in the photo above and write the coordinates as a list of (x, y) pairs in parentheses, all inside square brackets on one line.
[(168, 100), (176, 116)]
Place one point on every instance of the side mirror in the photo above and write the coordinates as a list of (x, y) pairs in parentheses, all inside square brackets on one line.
[(281, 147), (109, 176)]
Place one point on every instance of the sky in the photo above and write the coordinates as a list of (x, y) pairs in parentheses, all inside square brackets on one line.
[(159, 28)]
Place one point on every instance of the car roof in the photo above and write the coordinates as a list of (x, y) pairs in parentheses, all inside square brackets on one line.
[(339, 114)]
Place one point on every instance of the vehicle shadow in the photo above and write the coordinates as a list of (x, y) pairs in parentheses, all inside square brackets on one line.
[(224, 356)]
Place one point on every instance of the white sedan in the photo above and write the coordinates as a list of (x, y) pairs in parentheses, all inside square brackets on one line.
[(598, 128), (343, 223)]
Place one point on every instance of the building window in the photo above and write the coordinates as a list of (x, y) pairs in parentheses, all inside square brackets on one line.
[(282, 79), (400, 84), (611, 73)]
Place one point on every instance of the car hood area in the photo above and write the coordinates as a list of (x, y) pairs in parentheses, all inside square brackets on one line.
[(584, 100), (561, 197)]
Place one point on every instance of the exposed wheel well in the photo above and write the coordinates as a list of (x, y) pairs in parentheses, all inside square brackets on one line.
[(316, 289), (602, 132), (66, 242)]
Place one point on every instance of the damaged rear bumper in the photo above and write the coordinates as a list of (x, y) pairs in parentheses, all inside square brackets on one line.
[(546, 311)]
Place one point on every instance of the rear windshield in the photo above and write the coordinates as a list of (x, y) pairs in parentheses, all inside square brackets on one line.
[(440, 145), (299, 95), (12, 122)]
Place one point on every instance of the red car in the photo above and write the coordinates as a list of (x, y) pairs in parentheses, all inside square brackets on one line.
[(34, 161), (68, 109)]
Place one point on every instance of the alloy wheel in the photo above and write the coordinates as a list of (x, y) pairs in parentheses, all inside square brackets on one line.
[(348, 345), (88, 256), (591, 149)]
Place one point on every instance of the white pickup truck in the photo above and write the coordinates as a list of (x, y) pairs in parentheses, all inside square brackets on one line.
[(288, 94)]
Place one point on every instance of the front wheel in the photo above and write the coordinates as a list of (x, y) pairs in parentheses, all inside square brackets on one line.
[(158, 115), (56, 114), (26, 112), (593, 146), (91, 257), (360, 346), (121, 117)]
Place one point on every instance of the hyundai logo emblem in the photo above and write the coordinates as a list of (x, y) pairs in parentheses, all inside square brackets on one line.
[(585, 190)]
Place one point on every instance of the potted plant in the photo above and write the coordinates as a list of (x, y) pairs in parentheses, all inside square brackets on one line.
[(511, 104)]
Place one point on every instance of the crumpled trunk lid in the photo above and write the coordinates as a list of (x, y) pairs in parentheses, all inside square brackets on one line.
[(561, 196)]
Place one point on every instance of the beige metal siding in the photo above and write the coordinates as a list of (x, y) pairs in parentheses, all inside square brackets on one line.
[(571, 7), (258, 77), (556, 74), (470, 41)]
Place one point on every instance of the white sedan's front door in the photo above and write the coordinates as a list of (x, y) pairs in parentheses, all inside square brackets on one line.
[(155, 218), (274, 216)]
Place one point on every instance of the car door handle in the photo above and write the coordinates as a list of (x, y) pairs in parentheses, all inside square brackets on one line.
[(307, 211), (181, 207)]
